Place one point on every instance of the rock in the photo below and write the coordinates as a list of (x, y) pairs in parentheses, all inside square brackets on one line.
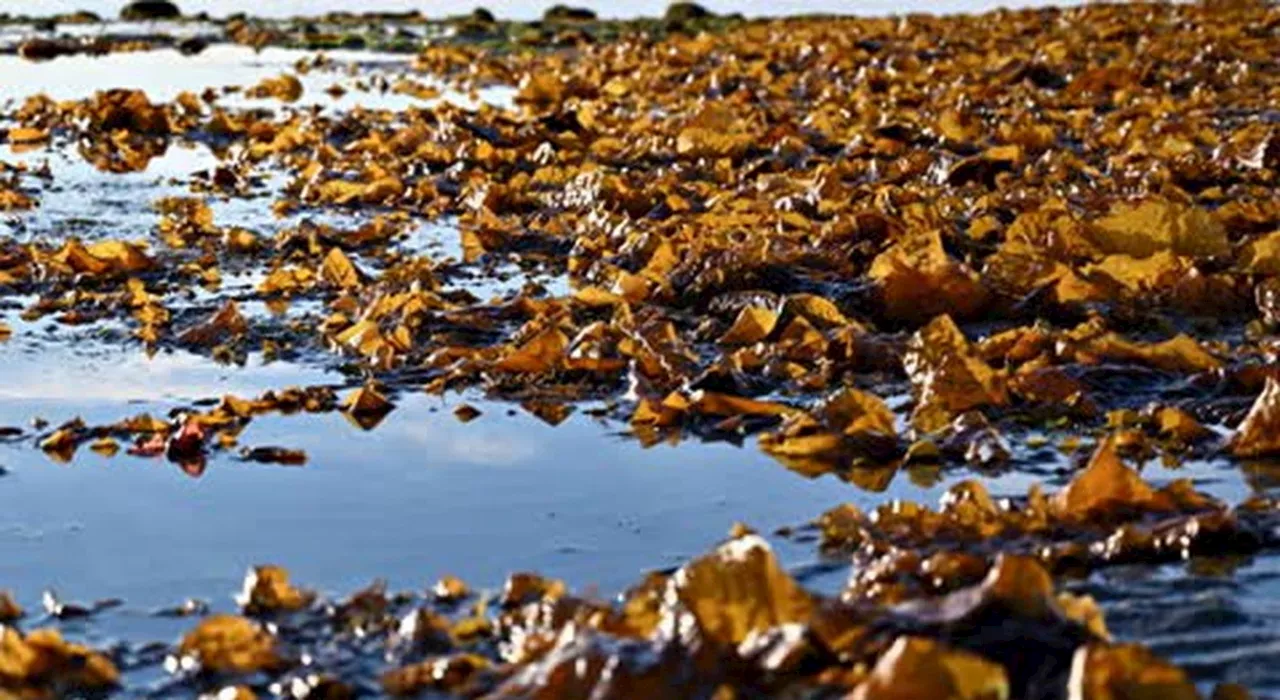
[(564, 13), (79, 17), (469, 29), (686, 12), (44, 49), (143, 10), (482, 16), (192, 45)]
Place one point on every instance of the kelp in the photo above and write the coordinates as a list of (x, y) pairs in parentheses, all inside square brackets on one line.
[(877, 244)]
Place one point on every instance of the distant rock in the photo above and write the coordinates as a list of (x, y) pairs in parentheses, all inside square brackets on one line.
[(79, 17), (686, 11), (141, 10), (479, 24), (43, 49), (564, 13), (192, 46)]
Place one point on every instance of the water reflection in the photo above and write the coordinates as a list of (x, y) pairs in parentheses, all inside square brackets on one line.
[(422, 494), (165, 74), (39, 375)]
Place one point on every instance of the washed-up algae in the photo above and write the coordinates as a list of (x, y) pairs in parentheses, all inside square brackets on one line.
[(729, 623), (1059, 220)]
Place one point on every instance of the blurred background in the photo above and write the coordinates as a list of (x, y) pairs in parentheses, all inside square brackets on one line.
[(525, 9)]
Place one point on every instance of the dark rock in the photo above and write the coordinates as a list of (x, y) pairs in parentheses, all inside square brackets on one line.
[(353, 41), (482, 15), (564, 13), (141, 10), (192, 46), (79, 17), (474, 30), (47, 24), (686, 12), (44, 49)]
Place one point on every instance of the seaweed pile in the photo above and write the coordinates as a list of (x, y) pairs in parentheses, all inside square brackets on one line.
[(868, 244)]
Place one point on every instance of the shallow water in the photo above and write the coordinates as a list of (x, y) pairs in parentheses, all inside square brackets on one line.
[(163, 74), (421, 495), (424, 494), (1217, 624)]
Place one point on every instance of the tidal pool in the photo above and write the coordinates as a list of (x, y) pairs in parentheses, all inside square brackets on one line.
[(425, 494)]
